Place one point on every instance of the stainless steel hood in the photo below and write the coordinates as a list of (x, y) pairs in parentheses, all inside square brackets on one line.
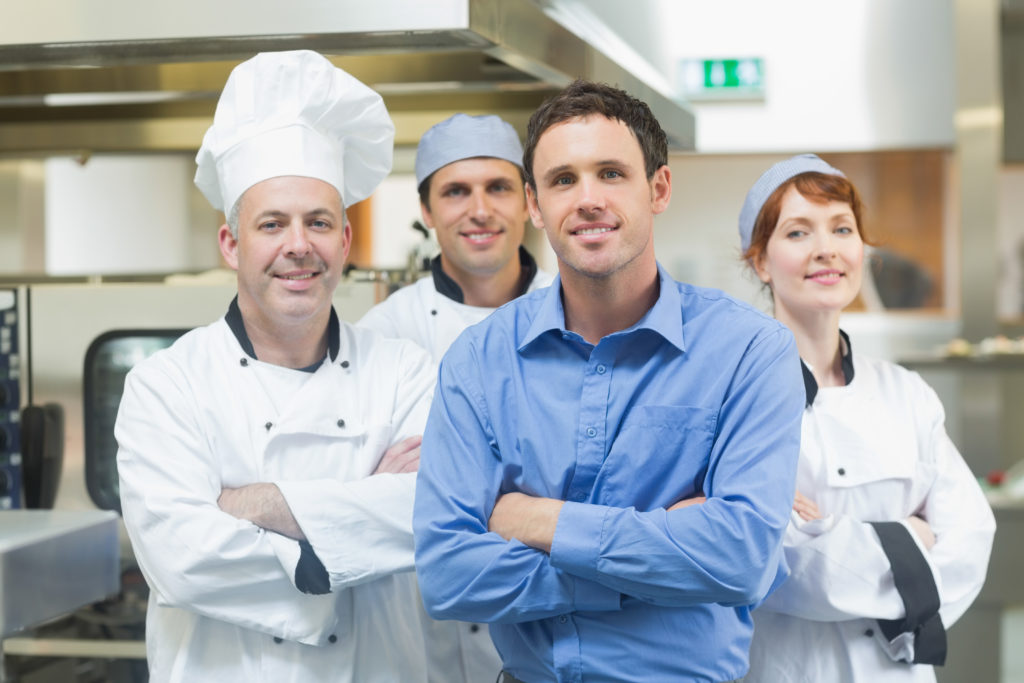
[(85, 76)]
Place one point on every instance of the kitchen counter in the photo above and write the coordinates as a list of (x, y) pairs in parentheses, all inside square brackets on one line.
[(53, 562)]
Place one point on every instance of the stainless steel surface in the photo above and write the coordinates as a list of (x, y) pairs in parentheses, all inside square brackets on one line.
[(112, 75), (978, 155), (54, 561), (75, 647)]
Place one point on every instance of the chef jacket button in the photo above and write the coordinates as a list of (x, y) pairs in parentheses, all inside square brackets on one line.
[(344, 363), (869, 633), (269, 425), (473, 628), (842, 471), (341, 423), (433, 311), (332, 638), (243, 362), (278, 640), (562, 619)]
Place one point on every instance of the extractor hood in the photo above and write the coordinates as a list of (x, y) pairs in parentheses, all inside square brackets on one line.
[(92, 76)]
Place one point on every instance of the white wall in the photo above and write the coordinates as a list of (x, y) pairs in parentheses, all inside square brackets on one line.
[(119, 214), (840, 76)]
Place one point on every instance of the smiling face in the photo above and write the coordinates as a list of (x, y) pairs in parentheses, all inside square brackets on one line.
[(478, 212), (290, 251), (814, 259), (594, 200)]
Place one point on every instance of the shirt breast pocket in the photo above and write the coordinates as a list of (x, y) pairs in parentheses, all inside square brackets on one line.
[(660, 455)]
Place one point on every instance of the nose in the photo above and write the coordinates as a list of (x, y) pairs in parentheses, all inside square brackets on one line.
[(296, 240), (590, 199), (480, 207), (824, 245)]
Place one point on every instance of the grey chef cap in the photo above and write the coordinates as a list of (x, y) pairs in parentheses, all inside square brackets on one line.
[(294, 114), (464, 137), (769, 182)]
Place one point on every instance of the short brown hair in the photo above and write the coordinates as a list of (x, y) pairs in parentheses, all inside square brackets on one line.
[(584, 98), (817, 187)]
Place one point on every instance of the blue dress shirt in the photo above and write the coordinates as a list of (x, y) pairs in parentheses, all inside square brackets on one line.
[(702, 396)]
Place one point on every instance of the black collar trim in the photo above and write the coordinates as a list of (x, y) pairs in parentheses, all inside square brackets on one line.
[(448, 287), (846, 363), (237, 325)]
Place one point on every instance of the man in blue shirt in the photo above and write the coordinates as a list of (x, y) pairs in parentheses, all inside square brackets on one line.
[(609, 463)]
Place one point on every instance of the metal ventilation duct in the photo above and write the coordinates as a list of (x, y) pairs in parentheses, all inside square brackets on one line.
[(85, 76)]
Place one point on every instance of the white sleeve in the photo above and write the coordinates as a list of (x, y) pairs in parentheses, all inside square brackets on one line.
[(958, 514), (362, 529), (195, 556), (827, 581)]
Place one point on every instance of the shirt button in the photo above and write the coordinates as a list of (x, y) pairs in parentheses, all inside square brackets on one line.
[(600, 369), (473, 628), (580, 497), (842, 471), (278, 640), (243, 362), (269, 425), (869, 633), (341, 423), (591, 432), (562, 619), (332, 638), (344, 363)]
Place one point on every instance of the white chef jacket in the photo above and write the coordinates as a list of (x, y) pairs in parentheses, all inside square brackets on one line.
[(873, 450), (224, 606), (426, 313)]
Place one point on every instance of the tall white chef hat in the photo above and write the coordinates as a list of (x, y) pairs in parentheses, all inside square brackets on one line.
[(294, 113)]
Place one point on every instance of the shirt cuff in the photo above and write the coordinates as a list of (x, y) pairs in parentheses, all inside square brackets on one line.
[(576, 548)]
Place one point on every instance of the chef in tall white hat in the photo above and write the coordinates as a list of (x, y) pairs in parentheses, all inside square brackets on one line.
[(267, 461)]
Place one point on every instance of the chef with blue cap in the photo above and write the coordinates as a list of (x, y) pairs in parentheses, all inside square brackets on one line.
[(469, 173), (267, 461)]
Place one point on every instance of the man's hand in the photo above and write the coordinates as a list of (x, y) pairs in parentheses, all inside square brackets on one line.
[(263, 505), (923, 531), (527, 519), (806, 508), (404, 456)]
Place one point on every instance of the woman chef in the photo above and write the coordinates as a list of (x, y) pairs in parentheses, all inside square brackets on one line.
[(890, 534)]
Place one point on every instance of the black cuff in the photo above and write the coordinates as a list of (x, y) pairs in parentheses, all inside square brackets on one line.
[(916, 586), (310, 573)]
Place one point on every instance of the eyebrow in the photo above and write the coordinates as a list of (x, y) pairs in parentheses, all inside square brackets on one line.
[(277, 213)]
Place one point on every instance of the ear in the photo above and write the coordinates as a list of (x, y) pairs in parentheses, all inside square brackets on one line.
[(346, 241), (533, 207), (661, 189), (758, 263), (228, 246), (428, 218)]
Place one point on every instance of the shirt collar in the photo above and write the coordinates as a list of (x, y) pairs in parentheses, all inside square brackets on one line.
[(234, 321), (663, 318), (448, 287), (845, 362)]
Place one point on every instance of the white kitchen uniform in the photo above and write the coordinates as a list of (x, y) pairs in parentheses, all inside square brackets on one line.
[(225, 601), (874, 450), (430, 313)]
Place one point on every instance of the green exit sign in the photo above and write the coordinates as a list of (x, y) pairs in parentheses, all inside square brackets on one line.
[(722, 79)]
